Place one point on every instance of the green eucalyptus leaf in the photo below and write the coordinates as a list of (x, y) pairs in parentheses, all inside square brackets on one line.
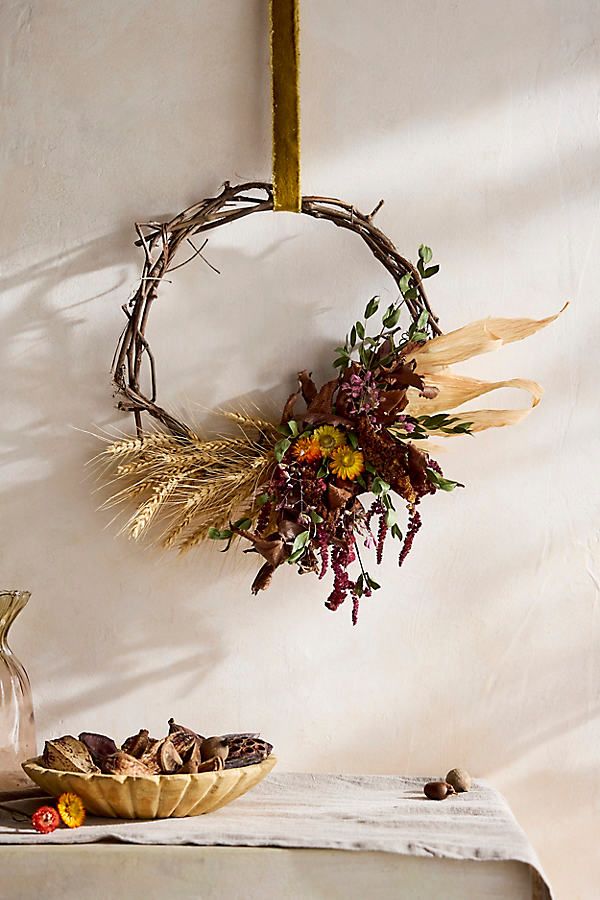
[(432, 270), (372, 307), (425, 253), (391, 317), (300, 541), (443, 484), (281, 448), (404, 282)]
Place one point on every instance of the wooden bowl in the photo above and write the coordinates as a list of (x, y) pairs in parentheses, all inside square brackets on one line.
[(150, 796)]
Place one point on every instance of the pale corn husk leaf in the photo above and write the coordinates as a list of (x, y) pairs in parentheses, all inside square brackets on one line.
[(433, 358), (473, 339), (454, 390)]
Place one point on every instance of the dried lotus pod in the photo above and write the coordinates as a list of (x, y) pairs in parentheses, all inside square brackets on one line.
[(121, 763), (137, 744), (214, 746), (245, 750), (67, 754), (99, 745), (190, 766)]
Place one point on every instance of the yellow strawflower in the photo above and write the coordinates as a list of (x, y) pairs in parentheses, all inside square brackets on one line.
[(328, 438), (347, 463), (71, 810)]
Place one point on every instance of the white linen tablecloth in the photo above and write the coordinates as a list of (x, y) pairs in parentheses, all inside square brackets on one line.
[(386, 813)]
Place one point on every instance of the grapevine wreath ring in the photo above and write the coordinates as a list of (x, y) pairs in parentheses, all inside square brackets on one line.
[(291, 490)]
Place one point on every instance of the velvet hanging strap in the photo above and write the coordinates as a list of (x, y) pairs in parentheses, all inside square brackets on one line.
[(286, 104)]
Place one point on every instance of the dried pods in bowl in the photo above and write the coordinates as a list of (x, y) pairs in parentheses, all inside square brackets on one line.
[(182, 751)]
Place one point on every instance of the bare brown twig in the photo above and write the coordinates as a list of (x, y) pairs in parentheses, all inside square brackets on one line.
[(160, 243)]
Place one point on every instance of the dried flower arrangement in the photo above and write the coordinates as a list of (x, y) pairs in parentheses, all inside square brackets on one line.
[(316, 488)]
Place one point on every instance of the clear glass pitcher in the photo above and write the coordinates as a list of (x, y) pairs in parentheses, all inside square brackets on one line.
[(17, 726)]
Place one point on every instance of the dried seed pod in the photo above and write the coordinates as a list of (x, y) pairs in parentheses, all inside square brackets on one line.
[(162, 758), (211, 765), (67, 754), (215, 746), (168, 757), (121, 763), (99, 745), (174, 728), (460, 780), (438, 790), (190, 766), (245, 750), (184, 742), (137, 744)]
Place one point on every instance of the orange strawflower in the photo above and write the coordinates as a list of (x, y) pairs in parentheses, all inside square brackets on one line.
[(306, 449), (71, 810)]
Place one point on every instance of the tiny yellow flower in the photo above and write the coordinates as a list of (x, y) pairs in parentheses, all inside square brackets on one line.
[(71, 810), (328, 438), (306, 449), (347, 463)]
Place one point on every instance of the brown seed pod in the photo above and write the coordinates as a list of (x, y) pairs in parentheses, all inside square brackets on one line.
[(460, 780), (168, 757), (138, 744), (190, 766), (211, 765), (99, 745), (67, 754), (185, 742), (174, 728), (438, 790), (121, 763), (215, 746)]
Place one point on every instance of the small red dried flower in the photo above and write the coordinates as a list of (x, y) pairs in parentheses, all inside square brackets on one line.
[(45, 819)]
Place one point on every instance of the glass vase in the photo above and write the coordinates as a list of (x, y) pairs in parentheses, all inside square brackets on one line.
[(17, 726)]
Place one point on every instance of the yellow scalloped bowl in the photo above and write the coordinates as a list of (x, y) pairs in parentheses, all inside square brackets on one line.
[(151, 796)]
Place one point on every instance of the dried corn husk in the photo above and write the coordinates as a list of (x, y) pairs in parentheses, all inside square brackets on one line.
[(433, 358)]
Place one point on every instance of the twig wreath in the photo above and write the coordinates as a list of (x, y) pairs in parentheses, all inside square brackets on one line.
[(317, 488)]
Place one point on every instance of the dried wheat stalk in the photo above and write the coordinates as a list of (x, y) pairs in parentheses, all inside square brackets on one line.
[(183, 486)]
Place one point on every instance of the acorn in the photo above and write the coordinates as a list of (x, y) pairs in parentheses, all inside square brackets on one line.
[(460, 780), (438, 790)]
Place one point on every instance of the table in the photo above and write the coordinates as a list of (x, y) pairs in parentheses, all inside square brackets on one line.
[(293, 836)]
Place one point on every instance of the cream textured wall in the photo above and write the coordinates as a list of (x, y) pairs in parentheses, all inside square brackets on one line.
[(478, 123)]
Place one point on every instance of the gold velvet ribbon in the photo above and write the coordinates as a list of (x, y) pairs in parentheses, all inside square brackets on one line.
[(286, 104)]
